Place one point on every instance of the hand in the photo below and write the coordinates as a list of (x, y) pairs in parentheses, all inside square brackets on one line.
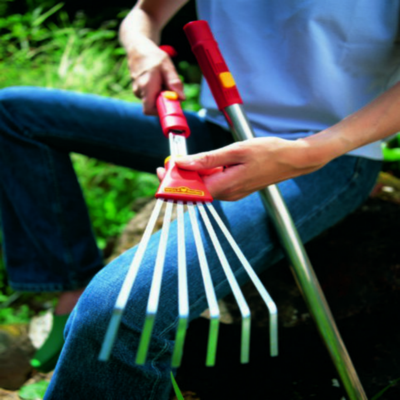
[(152, 71), (251, 165)]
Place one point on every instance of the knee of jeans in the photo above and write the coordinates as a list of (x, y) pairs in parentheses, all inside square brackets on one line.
[(15, 104), (91, 315), (13, 96), (95, 307)]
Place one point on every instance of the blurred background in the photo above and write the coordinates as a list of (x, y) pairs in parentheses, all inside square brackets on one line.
[(74, 46)]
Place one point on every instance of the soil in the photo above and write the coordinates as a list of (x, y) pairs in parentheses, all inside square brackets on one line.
[(358, 265)]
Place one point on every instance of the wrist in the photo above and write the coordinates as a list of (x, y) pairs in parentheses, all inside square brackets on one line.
[(324, 146), (138, 28)]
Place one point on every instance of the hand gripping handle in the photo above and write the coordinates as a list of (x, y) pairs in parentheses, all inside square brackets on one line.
[(212, 64), (171, 115)]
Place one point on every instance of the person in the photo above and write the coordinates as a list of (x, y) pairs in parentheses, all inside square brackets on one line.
[(314, 78)]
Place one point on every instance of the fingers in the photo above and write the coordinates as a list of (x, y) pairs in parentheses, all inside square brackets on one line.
[(146, 87), (161, 173), (233, 154), (149, 84), (222, 183), (171, 78), (228, 184)]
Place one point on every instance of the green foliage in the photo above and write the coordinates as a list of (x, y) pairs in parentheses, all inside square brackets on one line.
[(109, 191), (10, 315), (380, 394), (63, 55), (177, 391), (33, 391)]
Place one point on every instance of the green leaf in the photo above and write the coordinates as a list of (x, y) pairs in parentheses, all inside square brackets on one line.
[(34, 391), (379, 395), (176, 388), (41, 18)]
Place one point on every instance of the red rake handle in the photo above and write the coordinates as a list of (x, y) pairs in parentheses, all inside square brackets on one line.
[(171, 115), (177, 184), (212, 64)]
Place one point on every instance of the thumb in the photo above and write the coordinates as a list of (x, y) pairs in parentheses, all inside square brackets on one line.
[(160, 173), (211, 159)]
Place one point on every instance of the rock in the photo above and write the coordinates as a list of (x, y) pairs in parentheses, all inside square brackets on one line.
[(16, 350), (7, 395), (135, 228), (387, 188), (40, 327)]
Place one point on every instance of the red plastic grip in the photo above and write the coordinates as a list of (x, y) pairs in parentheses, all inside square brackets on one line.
[(183, 185), (171, 115), (212, 64)]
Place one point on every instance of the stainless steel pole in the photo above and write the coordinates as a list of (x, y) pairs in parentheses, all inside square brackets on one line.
[(302, 268)]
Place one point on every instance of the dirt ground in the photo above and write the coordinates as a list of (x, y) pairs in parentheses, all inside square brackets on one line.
[(358, 265)]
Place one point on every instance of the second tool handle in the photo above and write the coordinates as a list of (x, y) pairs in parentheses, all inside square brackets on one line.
[(171, 115), (212, 64)]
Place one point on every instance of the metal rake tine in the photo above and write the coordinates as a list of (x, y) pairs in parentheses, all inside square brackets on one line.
[(209, 289), (243, 307), (273, 311), (183, 296), (154, 296), (126, 288)]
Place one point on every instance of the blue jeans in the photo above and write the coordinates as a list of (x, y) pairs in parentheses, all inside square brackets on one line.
[(49, 244)]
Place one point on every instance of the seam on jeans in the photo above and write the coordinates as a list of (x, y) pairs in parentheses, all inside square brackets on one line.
[(157, 370), (48, 287), (14, 121), (68, 257)]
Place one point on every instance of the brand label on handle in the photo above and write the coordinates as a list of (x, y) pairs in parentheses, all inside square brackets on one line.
[(184, 190)]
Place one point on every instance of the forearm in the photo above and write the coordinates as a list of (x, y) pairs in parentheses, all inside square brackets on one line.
[(150, 68), (146, 20), (378, 120)]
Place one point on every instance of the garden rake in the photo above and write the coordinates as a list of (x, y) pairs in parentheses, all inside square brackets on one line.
[(186, 189)]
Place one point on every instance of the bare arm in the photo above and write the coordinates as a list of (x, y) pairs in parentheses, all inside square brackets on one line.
[(259, 162), (150, 68), (377, 120)]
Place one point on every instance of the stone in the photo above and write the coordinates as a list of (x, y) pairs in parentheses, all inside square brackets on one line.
[(16, 350), (8, 395)]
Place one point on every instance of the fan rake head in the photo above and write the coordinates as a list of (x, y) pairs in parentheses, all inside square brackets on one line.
[(181, 188)]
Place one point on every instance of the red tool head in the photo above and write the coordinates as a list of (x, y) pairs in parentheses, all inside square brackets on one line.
[(182, 185)]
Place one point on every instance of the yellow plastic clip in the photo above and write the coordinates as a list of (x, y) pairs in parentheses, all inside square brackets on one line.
[(170, 95), (227, 80)]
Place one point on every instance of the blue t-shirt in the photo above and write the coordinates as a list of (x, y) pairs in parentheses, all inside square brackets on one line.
[(304, 65)]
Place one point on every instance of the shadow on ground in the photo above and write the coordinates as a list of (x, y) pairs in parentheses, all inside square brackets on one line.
[(358, 265)]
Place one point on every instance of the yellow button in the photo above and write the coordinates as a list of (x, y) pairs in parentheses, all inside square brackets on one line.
[(166, 160), (169, 157), (170, 95), (227, 80)]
